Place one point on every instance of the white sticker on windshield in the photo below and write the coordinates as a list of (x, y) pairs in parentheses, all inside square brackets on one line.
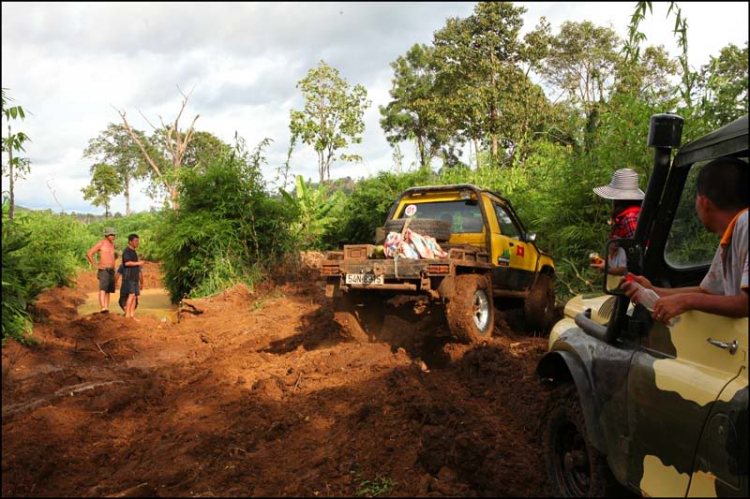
[(411, 210)]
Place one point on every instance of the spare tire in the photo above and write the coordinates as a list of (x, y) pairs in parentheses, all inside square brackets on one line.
[(439, 229)]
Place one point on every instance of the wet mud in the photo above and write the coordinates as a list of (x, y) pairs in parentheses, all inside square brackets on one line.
[(262, 394)]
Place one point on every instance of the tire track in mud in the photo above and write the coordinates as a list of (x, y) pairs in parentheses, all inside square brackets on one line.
[(263, 395)]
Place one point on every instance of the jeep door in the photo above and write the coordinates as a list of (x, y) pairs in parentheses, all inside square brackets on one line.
[(676, 376)]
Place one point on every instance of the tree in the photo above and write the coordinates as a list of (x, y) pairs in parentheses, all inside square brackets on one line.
[(166, 168), (650, 76), (724, 85), (13, 143), (115, 147), (414, 112), (332, 118), (105, 183), (581, 62), (483, 91), (203, 147)]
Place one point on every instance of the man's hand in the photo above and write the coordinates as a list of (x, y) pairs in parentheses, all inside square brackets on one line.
[(671, 306), (599, 266), (630, 290)]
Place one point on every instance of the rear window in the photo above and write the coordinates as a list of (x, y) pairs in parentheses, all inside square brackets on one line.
[(464, 216)]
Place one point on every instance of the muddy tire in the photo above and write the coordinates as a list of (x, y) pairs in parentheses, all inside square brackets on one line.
[(539, 306), (360, 315), (439, 229), (471, 312), (574, 466)]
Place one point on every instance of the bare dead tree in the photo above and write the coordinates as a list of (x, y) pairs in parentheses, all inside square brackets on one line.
[(176, 143)]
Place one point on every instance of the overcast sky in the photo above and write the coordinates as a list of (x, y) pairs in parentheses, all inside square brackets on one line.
[(67, 64)]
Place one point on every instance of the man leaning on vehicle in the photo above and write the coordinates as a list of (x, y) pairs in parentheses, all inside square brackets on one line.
[(722, 204)]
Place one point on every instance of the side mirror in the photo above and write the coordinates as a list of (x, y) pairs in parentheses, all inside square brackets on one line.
[(629, 255), (528, 237)]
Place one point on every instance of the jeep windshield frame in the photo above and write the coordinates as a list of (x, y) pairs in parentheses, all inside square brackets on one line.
[(730, 140)]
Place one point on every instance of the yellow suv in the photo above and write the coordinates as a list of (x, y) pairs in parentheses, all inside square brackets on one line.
[(490, 255)]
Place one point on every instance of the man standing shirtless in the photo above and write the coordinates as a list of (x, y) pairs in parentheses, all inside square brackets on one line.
[(106, 266)]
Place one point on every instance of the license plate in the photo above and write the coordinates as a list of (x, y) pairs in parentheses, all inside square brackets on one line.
[(364, 279)]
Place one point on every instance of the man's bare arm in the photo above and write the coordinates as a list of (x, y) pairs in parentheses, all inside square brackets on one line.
[(679, 291), (727, 306), (90, 253)]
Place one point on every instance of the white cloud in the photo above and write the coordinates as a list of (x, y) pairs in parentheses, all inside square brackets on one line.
[(69, 63)]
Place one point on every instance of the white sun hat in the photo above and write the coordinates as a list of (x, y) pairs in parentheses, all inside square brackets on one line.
[(624, 186)]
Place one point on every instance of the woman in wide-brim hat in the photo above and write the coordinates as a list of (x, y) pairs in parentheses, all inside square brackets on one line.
[(626, 200)]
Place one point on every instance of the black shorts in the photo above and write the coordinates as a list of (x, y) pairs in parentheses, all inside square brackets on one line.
[(130, 287), (106, 280)]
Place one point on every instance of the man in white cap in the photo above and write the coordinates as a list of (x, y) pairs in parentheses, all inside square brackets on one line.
[(626, 200), (105, 267)]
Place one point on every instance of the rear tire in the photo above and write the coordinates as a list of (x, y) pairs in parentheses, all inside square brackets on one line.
[(575, 467), (359, 314), (539, 306), (471, 311)]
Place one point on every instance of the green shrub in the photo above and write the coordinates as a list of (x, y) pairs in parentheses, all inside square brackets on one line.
[(366, 207), (19, 284), (227, 229), (57, 246)]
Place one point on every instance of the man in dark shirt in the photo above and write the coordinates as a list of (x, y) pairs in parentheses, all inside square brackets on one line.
[(132, 279), (123, 289)]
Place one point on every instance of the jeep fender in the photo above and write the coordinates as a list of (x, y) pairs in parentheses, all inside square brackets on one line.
[(565, 366)]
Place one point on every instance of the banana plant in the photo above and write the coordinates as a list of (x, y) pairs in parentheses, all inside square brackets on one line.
[(314, 209)]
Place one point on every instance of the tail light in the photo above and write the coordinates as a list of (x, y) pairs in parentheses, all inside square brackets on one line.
[(438, 269), (330, 270)]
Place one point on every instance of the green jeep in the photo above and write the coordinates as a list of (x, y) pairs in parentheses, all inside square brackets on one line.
[(660, 411)]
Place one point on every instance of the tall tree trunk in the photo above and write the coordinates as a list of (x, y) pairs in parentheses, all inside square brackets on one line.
[(174, 197), (12, 209), (127, 197), (494, 135), (592, 123), (321, 167), (422, 152), (476, 152)]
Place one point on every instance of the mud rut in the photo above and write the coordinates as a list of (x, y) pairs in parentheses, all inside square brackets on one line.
[(263, 395)]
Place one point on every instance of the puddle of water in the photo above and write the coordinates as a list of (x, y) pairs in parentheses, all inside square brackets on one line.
[(152, 301)]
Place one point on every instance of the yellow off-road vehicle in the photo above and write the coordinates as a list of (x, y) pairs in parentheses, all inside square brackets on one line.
[(490, 255), (662, 411)]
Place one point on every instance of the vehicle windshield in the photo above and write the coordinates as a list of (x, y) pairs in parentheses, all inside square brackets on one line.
[(464, 216), (689, 243)]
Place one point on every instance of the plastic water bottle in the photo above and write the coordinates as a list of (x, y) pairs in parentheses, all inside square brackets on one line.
[(647, 298)]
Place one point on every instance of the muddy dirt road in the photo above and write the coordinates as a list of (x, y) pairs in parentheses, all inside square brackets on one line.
[(262, 395)]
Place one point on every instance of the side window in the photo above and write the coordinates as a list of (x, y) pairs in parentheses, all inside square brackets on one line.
[(507, 227), (689, 244)]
